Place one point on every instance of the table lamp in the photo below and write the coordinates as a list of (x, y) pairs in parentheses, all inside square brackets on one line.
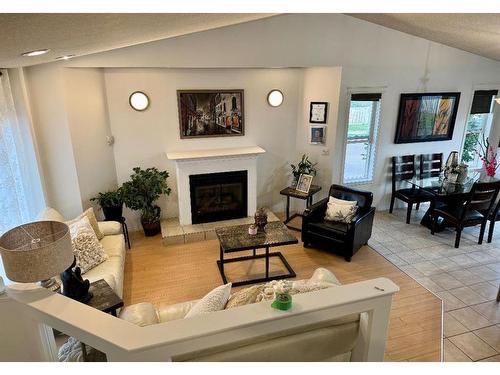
[(39, 251)]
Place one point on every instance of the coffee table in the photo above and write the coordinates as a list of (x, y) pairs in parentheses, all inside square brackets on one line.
[(236, 238)]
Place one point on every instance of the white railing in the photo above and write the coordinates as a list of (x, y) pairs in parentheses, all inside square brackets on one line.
[(124, 341)]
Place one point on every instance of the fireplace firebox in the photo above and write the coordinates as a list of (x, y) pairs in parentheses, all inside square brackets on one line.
[(218, 196)]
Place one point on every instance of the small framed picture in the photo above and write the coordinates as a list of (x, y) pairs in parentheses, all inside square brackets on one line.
[(317, 112), (317, 135), (304, 183)]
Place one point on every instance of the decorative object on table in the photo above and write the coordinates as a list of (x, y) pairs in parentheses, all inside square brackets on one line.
[(317, 135), (488, 156), (141, 193), (290, 192), (111, 203), (461, 171), (74, 286), (451, 163), (318, 112), (283, 301), (304, 166), (304, 183), (252, 230), (426, 117), (210, 113), (260, 219), (139, 101), (37, 251)]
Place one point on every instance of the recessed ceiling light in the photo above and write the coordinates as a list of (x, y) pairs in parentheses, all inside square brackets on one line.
[(37, 52), (65, 57)]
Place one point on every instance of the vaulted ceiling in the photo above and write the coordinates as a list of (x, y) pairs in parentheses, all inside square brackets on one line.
[(83, 34), (476, 33)]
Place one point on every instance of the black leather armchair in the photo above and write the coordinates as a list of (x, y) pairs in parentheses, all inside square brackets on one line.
[(341, 238)]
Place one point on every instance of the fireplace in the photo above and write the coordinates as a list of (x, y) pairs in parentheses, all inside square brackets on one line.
[(218, 196)]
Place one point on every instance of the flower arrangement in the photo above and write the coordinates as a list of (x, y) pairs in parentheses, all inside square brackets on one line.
[(488, 156)]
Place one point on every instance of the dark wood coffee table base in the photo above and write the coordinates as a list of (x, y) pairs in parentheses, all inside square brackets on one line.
[(291, 273)]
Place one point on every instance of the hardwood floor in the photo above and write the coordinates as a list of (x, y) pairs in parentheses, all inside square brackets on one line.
[(166, 275)]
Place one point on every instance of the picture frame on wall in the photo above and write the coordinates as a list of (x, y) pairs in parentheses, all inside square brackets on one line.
[(317, 135), (318, 112), (211, 113), (426, 117), (304, 183)]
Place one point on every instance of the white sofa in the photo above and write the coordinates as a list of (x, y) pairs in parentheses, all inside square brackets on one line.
[(330, 340), (112, 270)]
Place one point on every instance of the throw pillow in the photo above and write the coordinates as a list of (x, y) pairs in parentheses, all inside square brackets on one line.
[(340, 210), (214, 301), (92, 219), (245, 296), (142, 314), (88, 251)]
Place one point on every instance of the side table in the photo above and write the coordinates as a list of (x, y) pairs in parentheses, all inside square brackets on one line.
[(123, 222), (104, 299), (291, 192)]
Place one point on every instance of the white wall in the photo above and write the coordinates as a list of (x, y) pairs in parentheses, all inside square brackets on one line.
[(88, 123), (143, 138), (370, 56)]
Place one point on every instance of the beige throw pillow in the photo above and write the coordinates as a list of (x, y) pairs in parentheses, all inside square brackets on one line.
[(93, 222), (214, 301), (88, 251), (340, 210)]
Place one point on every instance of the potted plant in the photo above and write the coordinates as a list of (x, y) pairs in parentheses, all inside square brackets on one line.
[(304, 166), (141, 193), (111, 203)]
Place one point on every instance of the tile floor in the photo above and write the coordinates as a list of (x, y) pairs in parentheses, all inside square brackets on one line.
[(466, 279)]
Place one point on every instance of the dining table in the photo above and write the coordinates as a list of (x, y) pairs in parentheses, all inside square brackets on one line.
[(446, 191)]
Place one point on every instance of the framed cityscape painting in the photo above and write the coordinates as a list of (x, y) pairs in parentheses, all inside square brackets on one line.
[(210, 113), (426, 117)]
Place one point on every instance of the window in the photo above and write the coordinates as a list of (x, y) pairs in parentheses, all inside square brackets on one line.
[(362, 129), (478, 125)]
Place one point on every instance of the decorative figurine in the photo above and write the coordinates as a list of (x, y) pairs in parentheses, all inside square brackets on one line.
[(73, 284), (260, 219), (252, 230)]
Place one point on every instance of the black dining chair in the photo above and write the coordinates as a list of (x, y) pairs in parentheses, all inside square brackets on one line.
[(403, 168), (494, 216), (474, 211), (430, 165)]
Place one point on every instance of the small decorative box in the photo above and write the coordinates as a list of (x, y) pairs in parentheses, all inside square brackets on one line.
[(252, 229)]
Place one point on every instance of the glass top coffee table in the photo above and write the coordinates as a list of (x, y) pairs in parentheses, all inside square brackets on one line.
[(236, 238)]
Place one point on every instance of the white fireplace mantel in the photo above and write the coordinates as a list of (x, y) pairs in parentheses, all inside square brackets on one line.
[(214, 161)]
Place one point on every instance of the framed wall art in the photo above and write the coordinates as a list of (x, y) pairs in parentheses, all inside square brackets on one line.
[(426, 117), (317, 135), (210, 113), (318, 112)]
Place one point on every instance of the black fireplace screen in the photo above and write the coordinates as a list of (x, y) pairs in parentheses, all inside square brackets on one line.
[(218, 196)]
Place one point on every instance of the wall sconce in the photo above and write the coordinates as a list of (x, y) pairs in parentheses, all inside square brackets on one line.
[(275, 98), (139, 101)]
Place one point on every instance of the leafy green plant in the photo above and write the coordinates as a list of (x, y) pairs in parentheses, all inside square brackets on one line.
[(304, 166), (112, 198), (142, 191), (471, 140)]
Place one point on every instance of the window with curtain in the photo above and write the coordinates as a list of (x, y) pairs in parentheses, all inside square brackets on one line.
[(478, 125), (360, 142), (20, 188)]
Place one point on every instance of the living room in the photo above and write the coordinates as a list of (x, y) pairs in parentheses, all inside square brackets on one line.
[(157, 98)]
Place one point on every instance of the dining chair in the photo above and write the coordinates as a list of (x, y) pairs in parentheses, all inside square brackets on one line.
[(403, 168), (430, 165), (474, 211), (494, 216)]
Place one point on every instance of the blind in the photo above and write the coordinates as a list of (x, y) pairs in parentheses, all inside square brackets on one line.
[(482, 101), (366, 97)]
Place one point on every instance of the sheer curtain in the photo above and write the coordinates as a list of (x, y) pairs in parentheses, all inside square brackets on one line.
[(20, 187)]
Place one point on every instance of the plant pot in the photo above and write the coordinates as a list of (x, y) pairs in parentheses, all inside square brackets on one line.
[(113, 213), (151, 229)]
